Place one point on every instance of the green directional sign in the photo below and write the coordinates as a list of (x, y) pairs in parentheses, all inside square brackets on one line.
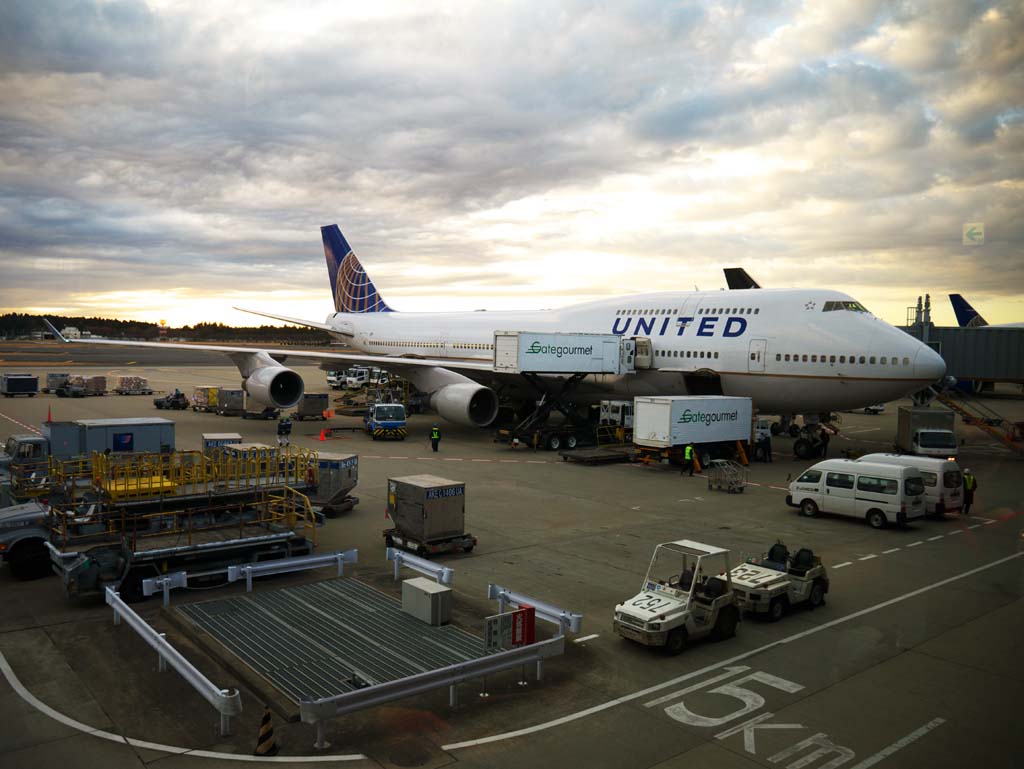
[(974, 233)]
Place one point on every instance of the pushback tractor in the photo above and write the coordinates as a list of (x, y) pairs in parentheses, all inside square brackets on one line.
[(775, 582), (687, 594)]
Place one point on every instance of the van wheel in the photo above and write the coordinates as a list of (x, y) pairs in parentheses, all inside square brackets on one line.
[(876, 518), (676, 641), (817, 596), (808, 508), (725, 625), (776, 609)]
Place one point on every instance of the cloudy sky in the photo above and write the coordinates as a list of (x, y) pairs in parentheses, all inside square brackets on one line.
[(172, 158)]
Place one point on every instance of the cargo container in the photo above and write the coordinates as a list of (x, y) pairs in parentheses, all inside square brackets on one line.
[(311, 406), (926, 431), (554, 353), (54, 382), (204, 398), (714, 424), (19, 384), (429, 514), (230, 403), (338, 475), (133, 385), (215, 440)]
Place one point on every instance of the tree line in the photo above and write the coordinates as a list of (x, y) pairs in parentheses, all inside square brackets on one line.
[(16, 324)]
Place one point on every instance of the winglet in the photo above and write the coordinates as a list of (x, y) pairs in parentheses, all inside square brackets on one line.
[(54, 331)]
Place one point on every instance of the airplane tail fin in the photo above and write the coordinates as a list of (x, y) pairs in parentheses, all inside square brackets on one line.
[(352, 288), (966, 316)]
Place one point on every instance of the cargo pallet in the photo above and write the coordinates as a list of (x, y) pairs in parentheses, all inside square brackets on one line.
[(462, 543)]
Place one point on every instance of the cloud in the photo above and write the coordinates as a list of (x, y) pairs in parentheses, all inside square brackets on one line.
[(526, 153)]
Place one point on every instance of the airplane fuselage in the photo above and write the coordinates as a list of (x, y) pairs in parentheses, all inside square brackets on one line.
[(792, 351)]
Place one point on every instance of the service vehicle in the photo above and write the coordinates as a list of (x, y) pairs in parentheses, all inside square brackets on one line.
[(616, 413), (385, 421), (429, 514), (267, 413), (335, 379), (876, 408), (23, 533), (175, 401), (357, 378), (943, 480), (877, 493), (718, 426), (687, 594), (927, 431), (312, 406), (531, 352), (12, 385), (775, 582)]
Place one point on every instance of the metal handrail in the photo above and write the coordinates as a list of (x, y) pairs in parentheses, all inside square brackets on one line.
[(317, 711), (443, 574), (565, 619), (227, 703), (285, 565)]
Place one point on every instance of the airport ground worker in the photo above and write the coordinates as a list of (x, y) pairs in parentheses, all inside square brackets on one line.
[(284, 432), (825, 438), (435, 437), (687, 459), (970, 486)]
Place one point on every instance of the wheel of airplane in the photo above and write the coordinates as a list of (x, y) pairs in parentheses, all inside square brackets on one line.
[(794, 430), (776, 428), (802, 448)]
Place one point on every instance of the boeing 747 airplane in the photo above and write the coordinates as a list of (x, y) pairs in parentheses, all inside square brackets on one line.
[(793, 351)]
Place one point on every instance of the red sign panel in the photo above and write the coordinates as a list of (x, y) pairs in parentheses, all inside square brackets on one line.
[(523, 626)]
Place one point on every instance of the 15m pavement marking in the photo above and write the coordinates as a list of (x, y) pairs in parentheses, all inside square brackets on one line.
[(715, 666)]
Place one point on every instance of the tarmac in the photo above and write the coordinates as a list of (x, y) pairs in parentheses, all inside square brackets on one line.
[(914, 660)]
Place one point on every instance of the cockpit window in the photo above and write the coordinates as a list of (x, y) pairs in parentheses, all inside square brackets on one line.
[(851, 306)]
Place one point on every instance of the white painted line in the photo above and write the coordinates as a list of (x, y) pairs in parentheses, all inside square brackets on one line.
[(535, 462), (841, 565), (480, 460), (974, 526), (955, 531), (915, 544), (585, 638), (779, 488), (983, 518), (45, 709), (987, 522), (867, 557), (890, 550), (398, 457), (453, 459), (512, 461), (723, 663), (932, 539), (901, 743)]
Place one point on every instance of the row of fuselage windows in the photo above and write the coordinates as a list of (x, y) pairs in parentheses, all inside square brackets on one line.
[(869, 360), (686, 354), (431, 345), (701, 311)]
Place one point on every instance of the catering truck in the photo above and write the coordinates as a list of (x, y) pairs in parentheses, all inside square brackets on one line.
[(926, 431), (718, 426), (518, 352)]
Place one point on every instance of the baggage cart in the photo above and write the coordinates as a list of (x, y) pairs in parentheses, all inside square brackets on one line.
[(725, 475)]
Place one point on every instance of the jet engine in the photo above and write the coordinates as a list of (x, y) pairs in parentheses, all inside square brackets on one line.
[(466, 403), (275, 386)]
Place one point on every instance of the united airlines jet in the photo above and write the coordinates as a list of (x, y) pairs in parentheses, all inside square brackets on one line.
[(794, 351)]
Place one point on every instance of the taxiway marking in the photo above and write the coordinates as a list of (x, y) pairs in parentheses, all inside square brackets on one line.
[(730, 661), (590, 637), (899, 744)]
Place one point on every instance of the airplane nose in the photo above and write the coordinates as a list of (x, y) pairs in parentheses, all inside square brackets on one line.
[(929, 365)]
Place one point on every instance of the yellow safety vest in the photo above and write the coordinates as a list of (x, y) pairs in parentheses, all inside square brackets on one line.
[(688, 453), (435, 434), (970, 482)]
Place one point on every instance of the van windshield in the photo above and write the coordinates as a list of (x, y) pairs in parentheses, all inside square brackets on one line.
[(811, 476), (914, 486), (937, 440)]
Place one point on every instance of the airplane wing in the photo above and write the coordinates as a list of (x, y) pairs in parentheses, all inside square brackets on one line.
[(382, 361), (296, 321)]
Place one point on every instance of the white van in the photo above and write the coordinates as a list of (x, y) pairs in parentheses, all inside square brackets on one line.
[(943, 480), (877, 493)]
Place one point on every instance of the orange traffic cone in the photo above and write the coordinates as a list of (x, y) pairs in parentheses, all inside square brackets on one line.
[(266, 745)]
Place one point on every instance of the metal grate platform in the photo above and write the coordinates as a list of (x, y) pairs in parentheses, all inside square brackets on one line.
[(328, 638)]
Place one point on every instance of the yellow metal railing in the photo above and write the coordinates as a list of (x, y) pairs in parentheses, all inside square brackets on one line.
[(293, 510)]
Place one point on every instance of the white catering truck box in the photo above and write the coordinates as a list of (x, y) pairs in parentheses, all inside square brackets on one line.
[(554, 353), (663, 422)]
